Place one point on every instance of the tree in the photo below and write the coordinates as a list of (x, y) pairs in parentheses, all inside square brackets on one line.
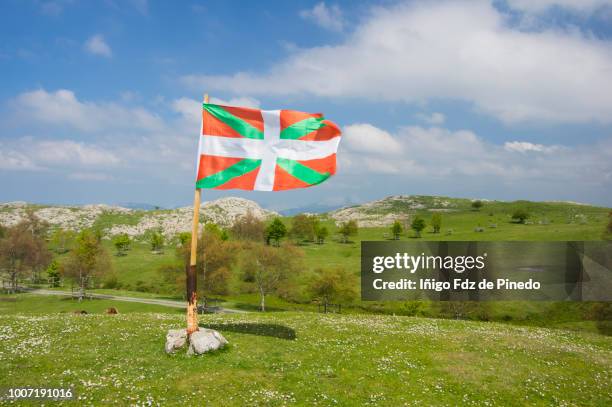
[(214, 229), (276, 231), (216, 258), (520, 215), (184, 238), (321, 234), (122, 243), (215, 262), (53, 274), (608, 232), (397, 229), (269, 268), (156, 239), (477, 204), (436, 222), (303, 228), (61, 240), (333, 284), (87, 260), (248, 228), (23, 249), (418, 224), (347, 229)]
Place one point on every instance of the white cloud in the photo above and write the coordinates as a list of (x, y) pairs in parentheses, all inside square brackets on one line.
[(14, 160), (585, 6), (71, 152), (458, 50), (327, 17), (63, 108), (364, 137), (97, 45), (243, 101), (525, 146), (90, 176), (434, 118), (461, 156)]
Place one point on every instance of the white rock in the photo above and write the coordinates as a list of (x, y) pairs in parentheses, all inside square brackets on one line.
[(224, 212), (205, 340), (175, 339)]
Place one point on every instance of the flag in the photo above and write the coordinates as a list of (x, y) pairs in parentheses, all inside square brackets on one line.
[(264, 150)]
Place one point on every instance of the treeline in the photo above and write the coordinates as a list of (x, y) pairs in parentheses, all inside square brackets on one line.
[(251, 257)]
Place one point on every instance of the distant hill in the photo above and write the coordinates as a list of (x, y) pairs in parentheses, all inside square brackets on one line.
[(139, 218), (134, 222), (384, 212), (139, 205), (314, 208)]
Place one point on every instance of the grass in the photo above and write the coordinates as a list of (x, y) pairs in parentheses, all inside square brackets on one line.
[(138, 275), (333, 360), (51, 304)]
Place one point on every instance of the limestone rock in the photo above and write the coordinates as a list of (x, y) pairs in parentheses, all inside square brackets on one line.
[(175, 339), (205, 340)]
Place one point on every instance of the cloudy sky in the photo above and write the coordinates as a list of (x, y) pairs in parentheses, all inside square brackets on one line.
[(99, 101)]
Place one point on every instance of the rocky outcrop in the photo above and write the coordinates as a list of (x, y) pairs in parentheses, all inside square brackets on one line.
[(384, 212), (63, 217), (224, 212)]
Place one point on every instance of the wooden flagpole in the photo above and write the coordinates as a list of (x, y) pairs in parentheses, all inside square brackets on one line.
[(192, 303)]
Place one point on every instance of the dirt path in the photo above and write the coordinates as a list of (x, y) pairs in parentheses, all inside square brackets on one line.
[(151, 301)]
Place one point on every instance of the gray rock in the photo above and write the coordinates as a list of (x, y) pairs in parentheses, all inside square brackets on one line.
[(205, 340), (175, 339)]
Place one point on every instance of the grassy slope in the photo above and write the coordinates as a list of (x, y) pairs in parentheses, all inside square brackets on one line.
[(138, 270), (343, 359), (141, 264)]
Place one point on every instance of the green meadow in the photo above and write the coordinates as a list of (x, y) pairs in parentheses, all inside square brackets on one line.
[(297, 358), (549, 221), (379, 354)]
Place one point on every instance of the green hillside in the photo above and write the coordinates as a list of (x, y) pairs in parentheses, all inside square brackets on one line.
[(274, 359)]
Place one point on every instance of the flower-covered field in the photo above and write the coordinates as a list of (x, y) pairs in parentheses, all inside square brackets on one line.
[(305, 359)]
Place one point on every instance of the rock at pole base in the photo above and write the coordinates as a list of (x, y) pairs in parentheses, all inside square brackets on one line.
[(205, 340), (201, 341), (175, 339)]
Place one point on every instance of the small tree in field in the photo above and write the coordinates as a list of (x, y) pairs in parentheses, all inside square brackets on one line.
[(608, 231), (122, 243), (62, 240), (333, 284), (436, 222), (22, 249), (397, 229), (248, 227), (477, 205), (269, 268), (303, 228), (275, 232), (418, 224), (156, 239), (321, 234), (88, 259), (520, 216), (53, 274), (347, 229)]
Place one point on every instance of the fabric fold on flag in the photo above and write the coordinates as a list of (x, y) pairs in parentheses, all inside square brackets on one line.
[(264, 150)]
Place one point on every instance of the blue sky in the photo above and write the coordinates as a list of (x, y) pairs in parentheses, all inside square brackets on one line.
[(498, 100)]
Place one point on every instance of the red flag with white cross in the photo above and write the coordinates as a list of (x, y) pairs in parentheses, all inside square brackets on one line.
[(264, 150)]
